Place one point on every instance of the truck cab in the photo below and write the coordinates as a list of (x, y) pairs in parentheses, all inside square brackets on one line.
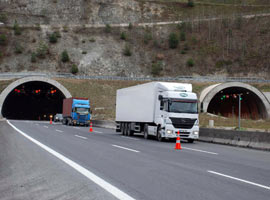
[(178, 112)]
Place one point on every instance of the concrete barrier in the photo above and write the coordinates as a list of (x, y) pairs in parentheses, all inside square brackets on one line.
[(256, 140)]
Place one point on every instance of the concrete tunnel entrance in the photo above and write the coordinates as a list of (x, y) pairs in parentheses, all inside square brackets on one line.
[(222, 99), (226, 103), (34, 99)]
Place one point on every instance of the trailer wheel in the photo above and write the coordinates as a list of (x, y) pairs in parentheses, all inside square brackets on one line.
[(159, 136), (129, 131), (122, 128), (145, 132)]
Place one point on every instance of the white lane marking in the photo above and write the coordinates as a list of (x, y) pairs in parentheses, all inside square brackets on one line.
[(80, 137), (76, 127), (90, 175), (125, 148), (200, 150), (238, 179), (97, 132), (129, 138), (45, 126), (59, 131)]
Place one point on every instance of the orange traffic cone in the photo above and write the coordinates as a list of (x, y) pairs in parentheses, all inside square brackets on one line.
[(91, 128), (50, 119), (178, 143)]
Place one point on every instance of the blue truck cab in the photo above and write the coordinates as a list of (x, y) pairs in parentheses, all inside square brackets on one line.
[(76, 111)]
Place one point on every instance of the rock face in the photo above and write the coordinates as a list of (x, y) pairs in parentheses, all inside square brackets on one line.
[(79, 11)]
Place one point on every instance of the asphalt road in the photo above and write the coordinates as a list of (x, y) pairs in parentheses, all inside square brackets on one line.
[(150, 170)]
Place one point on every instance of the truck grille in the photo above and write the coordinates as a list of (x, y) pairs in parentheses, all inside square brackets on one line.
[(186, 123), (82, 117)]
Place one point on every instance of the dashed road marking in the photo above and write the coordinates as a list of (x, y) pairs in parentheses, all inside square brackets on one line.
[(85, 138), (238, 179), (97, 132), (76, 127), (209, 152), (125, 148), (129, 138), (45, 126), (59, 131)]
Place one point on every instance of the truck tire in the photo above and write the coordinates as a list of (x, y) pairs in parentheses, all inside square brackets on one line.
[(145, 132), (190, 140), (129, 131), (122, 129), (69, 122), (159, 136)]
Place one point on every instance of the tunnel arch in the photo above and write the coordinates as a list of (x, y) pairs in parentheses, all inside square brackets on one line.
[(28, 80), (254, 100)]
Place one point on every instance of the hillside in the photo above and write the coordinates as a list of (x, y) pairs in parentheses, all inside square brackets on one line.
[(36, 33)]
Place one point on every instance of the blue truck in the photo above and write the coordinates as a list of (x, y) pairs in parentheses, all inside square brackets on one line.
[(76, 111)]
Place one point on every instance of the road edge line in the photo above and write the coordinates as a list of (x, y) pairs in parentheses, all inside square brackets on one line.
[(99, 181)]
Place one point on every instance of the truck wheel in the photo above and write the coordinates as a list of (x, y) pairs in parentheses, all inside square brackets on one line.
[(129, 131), (122, 128), (159, 136), (145, 132), (190, 140), (69, 122)]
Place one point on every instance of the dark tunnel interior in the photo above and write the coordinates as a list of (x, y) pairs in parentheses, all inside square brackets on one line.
[(33, 101), (226, 103)]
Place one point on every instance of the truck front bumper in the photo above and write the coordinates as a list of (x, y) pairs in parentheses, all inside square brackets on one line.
[(171, 132)]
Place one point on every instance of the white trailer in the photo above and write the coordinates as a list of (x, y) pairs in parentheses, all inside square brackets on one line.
[(159, 109)]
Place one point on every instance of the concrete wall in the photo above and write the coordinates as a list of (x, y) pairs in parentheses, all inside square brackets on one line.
[(257, 140)]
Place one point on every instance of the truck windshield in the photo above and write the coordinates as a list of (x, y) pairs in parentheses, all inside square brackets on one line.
[(183, 107), (82, 110)]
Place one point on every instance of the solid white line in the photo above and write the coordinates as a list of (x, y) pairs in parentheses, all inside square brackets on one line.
[(59, 131), (200, 150), (45, 126), (129, 138), (80, 137), (125, 148), (238, 179), (102, 183)]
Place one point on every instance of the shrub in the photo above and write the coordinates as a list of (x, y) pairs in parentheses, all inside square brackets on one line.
[(57, 34), (190, 3), (33, 57), (147, 37), (130, 26), (83, 41), (17, 29), (53, 38), (84, 52), (3, 18), (173, 41), (65, 28), (42, 50), (3, 39), (64, 56), (74, 69), (108, 28), (18, 48), (186, 47), (183, 52), (127, 51), (190, 62), (123, 36), (182, 36), (156, 68), (1, 54), (92, 40)]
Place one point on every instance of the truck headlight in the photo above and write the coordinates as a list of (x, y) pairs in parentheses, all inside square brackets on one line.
[(195, 132), (168, 131)]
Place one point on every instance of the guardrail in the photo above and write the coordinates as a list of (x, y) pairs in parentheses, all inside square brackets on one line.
[(178, 78)]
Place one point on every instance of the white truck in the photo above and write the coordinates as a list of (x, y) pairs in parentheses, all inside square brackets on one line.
[(159, 109)]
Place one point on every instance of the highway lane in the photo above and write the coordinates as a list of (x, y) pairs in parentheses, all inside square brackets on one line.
[(147, 169)]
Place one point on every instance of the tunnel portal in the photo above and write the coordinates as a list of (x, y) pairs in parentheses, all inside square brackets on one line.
[(35, 100), (226, 103)]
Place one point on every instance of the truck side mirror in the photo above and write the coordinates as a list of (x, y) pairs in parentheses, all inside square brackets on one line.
[(160, 97)]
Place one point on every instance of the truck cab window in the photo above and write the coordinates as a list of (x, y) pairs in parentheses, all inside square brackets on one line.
[(161, 105)]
